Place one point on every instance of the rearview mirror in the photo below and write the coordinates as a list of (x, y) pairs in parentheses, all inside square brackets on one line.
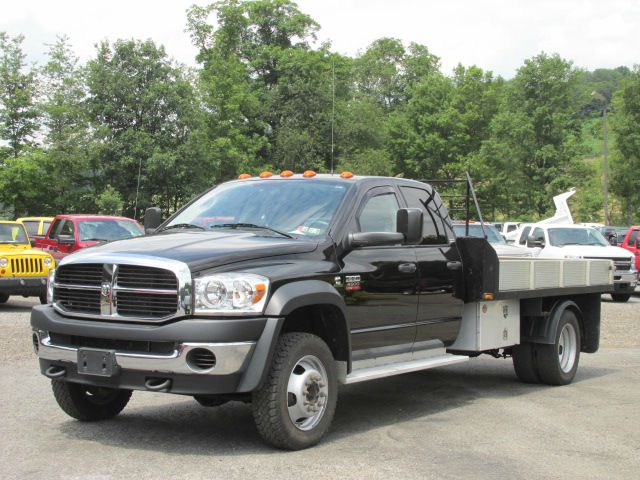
[(409, 223), (532, 242), (152, 219), (66, 240)]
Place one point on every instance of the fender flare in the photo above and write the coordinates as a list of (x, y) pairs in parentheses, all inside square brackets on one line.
[(537, 331), (285, 300)]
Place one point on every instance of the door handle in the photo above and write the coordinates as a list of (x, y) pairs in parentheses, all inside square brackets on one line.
[(454, 265), (407, 268)]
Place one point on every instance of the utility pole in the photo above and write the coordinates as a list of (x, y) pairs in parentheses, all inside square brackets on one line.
[(605, 107)]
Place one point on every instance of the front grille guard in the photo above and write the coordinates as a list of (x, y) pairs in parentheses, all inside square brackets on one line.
[(107, 310)]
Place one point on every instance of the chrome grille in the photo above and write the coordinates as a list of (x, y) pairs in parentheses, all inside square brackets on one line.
[(621, 264), (117, 291), (27, 266)]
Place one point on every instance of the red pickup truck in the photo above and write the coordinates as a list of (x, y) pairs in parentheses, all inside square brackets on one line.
[(69, 233), (631, 242)]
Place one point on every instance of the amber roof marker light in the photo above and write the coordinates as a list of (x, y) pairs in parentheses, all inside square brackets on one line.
[(309, 174), (346, 175), (243, 176), (266, 174), (286, 173)]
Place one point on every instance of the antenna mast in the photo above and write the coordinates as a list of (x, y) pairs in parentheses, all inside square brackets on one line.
[(333, 106)]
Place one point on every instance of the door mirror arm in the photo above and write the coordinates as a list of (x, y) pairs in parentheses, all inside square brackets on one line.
[(374, 239)]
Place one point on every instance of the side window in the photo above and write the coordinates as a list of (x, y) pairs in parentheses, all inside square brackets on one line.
[(632, 238), (435, 229), (379, 214), (67, 228), (524, 235), (56, 224), (511, 228)]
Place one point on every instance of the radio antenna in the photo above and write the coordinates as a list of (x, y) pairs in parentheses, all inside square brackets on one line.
[(333, 106)]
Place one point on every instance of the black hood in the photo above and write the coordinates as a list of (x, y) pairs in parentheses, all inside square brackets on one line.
[(202, 250)]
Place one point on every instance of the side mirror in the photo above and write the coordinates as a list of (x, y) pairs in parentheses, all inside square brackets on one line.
[(533, 242), (66, 240), (409, 223), (613, 240), (375, 239), (152, 219)]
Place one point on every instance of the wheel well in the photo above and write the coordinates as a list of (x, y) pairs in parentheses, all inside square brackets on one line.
[(587, 311), (325, 321)]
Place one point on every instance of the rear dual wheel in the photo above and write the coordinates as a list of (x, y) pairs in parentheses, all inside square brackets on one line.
[(552, 364)]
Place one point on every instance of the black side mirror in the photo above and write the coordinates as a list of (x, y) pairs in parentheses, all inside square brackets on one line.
[(409, 223), (152, 219), (533, 242), (66, 240)]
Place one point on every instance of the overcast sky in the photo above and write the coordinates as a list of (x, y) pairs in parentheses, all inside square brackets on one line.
[(495, 35)]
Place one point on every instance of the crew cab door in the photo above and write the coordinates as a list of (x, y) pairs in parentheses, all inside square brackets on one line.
[(380, 282), (439, 311)]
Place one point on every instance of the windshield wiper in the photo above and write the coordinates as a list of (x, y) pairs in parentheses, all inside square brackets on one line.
[(183, 225), (250, 225)]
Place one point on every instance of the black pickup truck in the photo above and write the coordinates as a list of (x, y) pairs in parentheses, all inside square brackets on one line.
[(276, 289)]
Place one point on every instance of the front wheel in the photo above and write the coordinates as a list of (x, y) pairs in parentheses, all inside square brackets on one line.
[(3, 298), (620, 297), (87, 403), (295, 406), (557, 363)]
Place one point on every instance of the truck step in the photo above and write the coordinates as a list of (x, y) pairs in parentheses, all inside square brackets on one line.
[(390, 369)]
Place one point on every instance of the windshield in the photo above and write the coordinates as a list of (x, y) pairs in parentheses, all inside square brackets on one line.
[(559, 237), (108, 230), (300, 207), (12, 233), (475, 230)]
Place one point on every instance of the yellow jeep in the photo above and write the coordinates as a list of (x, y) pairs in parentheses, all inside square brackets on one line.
[(23, 270)]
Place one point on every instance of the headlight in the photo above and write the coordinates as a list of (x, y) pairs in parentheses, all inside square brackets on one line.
[(3, 263), (50, 280), (47, 262), (231, 294)]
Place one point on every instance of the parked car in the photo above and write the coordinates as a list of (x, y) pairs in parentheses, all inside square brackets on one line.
[(36, 227), (630, 242), (496, 240), (578, 241), (614, 235), (69, 233), (23, 270)]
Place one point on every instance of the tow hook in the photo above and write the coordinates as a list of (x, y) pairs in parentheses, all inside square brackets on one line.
[(158, 384), (54, 371)]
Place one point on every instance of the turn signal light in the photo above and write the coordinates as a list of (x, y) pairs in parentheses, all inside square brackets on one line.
[(309, 174), (346, 175), (243, 176), (286, 173), (266, 174), (487, 296)]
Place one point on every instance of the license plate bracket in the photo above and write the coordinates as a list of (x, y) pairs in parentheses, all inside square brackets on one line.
[(101, 363)]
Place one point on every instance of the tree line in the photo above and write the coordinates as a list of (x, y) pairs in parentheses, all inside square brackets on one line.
[(131, 127)]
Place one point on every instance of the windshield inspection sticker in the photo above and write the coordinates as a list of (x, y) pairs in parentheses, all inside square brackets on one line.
[(353, 283)]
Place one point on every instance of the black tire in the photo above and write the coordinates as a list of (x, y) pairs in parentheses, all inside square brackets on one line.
[(87, 403), (43, 298), (557, 364), (299, 359), (3, 298), (620, 297), (210, 400), (524, 363)]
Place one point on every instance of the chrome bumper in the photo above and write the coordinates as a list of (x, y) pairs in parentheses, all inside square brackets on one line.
[(626, 277), (230, 357)]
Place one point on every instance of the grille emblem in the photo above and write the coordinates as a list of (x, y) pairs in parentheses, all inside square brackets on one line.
[(105, 291)]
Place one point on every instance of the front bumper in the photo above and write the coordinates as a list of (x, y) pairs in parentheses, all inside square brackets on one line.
[(147, 356), (625, 282), (28, 286)]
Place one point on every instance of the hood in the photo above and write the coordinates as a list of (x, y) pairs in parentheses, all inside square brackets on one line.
[(511, 250), (22, 249), (202, 250)]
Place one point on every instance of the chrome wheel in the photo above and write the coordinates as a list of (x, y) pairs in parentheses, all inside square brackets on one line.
[(307, 392), (567, 347)]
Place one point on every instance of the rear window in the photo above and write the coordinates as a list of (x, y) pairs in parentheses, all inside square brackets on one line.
[(31, 226), (108, 230)]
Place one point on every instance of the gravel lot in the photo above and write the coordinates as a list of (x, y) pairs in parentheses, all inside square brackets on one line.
[(472, 420)]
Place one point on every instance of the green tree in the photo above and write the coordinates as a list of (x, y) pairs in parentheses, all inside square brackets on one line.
[(626, 156), (18, 91), (142, 107)]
